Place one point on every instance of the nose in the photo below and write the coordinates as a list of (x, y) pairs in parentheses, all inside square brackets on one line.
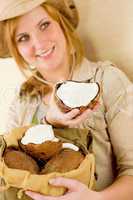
[(37, 41)]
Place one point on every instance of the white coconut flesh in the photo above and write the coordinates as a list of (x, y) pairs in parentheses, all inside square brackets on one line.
[(70, 146), (39, 134), (36, 135), (74, 94)]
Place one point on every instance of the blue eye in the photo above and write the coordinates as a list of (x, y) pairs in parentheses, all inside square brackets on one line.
[(44, 25)]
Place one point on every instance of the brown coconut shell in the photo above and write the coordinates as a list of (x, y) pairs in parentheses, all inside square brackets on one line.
[(19, 160), (64, 161), (64, 108), (42, 151)]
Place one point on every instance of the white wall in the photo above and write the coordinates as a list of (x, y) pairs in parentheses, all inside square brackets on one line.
[(10, 80), (106, 28)]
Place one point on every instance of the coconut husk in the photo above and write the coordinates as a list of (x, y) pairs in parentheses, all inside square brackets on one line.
[(42, 151), (16, 159), (64, 161)]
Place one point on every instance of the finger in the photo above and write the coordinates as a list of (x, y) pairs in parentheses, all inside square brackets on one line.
[(96, 106), (37, 196), (71, 184), (72, 114), (81, 118)]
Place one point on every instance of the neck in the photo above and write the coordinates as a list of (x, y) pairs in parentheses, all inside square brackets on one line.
[(57, 76), (62, 73)]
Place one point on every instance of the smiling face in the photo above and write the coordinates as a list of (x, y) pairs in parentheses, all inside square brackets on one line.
[(41, 41)]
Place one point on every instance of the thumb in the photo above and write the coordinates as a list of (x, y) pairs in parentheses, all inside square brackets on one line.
[(71, 184)]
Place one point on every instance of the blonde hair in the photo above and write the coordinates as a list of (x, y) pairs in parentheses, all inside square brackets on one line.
[(75, 47)]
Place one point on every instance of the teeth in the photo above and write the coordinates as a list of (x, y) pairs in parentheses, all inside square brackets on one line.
[(45, 53)]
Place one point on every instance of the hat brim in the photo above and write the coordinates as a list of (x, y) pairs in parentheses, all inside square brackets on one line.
[(18, 9)]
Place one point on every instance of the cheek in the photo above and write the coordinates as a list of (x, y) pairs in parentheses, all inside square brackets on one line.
[(25, 51), (58, 36), (61, 43)]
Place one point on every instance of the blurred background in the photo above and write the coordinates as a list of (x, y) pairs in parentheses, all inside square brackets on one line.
[(10, 81)]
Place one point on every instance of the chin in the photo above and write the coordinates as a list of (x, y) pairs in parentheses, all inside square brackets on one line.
[(51, 67)]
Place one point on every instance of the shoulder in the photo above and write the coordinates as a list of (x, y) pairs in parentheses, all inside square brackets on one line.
[(31, 88), (21, 111), (116, 88), (23, 98), (91, 67), (112, 77), (113, 80), (23, 104), (112, 70), (105, 70)]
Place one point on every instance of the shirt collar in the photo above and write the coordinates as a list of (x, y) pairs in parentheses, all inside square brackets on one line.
[(85, 71)]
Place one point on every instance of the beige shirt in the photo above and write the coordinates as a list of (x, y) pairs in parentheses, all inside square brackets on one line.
[(111, 125)]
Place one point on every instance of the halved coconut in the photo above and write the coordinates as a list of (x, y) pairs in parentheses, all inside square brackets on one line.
[(40, 142), (39, 134), (74, 94)]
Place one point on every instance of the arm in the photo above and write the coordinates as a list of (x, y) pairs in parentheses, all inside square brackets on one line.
[(119, 118), (120, 125), (12, 116), (21, 112), (121, 189)]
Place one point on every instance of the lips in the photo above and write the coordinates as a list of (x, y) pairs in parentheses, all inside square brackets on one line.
[(45, 53)]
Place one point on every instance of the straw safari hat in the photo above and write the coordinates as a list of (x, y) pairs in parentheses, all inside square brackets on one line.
[(13, 8)]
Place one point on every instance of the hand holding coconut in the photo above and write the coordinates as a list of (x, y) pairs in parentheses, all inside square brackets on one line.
[(76, 191), (71, 103)]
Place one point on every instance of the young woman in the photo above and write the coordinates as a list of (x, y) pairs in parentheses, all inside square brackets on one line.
[(40, 36)]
